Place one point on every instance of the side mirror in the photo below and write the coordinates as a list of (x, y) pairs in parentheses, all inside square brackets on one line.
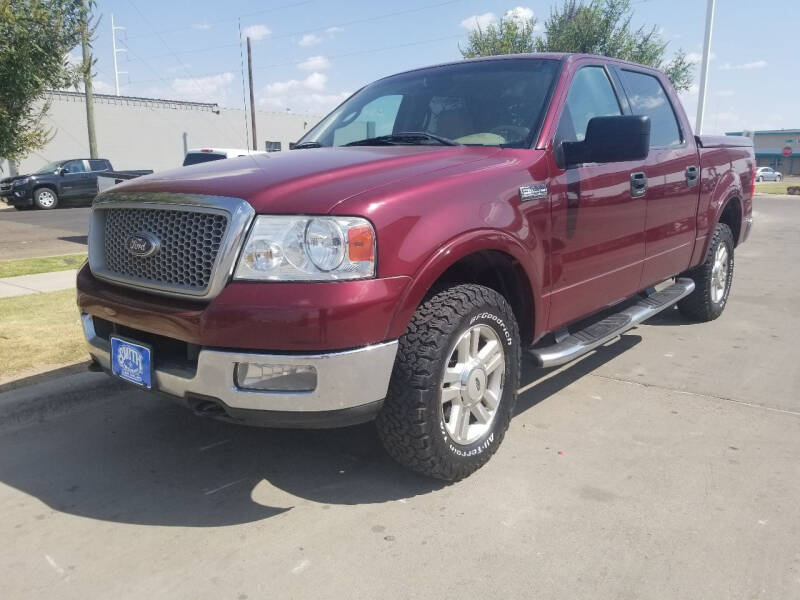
[(62, 171), (610, 139)]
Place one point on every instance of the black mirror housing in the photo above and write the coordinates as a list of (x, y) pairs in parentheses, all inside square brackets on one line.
[(610, 139)]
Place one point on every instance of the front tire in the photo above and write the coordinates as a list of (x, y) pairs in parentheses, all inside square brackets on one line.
[(454, 383), (45, 199), (778, 178), (712, 279)]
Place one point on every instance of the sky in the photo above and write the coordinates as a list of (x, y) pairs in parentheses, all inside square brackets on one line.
[(309, 55)]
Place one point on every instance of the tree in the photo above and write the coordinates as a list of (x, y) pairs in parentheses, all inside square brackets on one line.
[(510, 35), (598, 27), (35, 38)]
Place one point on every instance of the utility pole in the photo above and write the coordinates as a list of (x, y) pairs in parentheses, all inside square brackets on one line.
[(701, 96), (87, 79), (252, 96), (115, 51)]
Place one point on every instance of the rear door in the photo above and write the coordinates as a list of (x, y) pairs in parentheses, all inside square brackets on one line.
[(673, 176), (96, 165), (597, 244)]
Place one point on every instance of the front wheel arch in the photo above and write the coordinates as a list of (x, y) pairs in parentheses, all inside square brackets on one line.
[(441, 266)]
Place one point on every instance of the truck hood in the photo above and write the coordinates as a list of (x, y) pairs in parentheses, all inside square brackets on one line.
[(310, 180)]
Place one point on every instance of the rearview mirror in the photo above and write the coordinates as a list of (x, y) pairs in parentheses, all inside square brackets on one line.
[(610, 139)]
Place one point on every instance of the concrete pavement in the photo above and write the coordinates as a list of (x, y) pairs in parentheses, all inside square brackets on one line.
[(22, 285), (666, 465)]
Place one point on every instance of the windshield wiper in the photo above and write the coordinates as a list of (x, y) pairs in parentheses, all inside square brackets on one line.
[(409, 138), (303, 145)]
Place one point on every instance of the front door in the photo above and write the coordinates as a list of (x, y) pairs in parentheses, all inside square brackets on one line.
[(76, 181), (597, 243), (673, 178)]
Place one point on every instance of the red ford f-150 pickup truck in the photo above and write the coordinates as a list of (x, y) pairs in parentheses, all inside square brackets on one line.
[(418, 240)]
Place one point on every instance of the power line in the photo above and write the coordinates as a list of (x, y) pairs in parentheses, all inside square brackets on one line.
[(343, 55), (322, 28), (163, 41), (231, 20)]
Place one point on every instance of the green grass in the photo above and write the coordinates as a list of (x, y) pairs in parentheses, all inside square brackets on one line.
[(48, 264), (39, 332), (774, 187)]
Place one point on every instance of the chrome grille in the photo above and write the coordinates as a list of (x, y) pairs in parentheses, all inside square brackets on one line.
[(189, 244)]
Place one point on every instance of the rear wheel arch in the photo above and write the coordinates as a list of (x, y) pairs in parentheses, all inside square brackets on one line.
[(731, 215)]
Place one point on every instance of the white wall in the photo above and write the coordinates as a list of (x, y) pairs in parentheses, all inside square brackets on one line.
[(137, 133)]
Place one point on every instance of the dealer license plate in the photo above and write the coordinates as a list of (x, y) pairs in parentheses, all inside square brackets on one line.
[(132, 362)]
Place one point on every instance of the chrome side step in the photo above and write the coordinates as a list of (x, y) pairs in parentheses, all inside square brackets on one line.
[(583, 341)]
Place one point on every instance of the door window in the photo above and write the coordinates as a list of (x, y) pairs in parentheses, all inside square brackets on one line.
[(647, 97), (590, 95), (75, 166)]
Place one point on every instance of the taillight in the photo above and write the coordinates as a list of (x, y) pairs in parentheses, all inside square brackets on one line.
[(753, 182)]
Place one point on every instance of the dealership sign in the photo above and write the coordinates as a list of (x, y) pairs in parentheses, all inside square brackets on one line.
[(787, 150)]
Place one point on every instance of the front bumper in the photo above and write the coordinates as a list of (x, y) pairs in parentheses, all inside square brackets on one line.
[(351, 384), (18, 196)]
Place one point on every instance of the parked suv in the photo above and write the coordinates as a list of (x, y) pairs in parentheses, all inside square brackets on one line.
[(422, 237)]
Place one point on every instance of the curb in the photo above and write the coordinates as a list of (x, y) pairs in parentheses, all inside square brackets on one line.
[(53, 397)]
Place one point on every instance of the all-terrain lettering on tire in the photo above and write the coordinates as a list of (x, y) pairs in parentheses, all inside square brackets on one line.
[(454, 383)]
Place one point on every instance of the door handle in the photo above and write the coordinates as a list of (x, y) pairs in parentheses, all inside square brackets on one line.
[(692, 174), (638, 184)]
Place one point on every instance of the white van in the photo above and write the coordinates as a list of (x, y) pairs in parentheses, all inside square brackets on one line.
[(200, 155)]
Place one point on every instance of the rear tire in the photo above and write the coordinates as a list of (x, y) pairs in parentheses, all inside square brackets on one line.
[(454, 383), (712, 279), (45, 199)]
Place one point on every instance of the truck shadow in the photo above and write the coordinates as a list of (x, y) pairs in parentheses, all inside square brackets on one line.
[(134, 458)]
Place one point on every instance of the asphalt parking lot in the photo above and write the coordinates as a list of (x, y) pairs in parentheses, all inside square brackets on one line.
[(666, 465), (32, 233)]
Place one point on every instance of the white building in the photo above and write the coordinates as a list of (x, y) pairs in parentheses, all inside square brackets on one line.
[(148, 133)]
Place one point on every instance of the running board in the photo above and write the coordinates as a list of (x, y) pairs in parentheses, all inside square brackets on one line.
[(583, 341)]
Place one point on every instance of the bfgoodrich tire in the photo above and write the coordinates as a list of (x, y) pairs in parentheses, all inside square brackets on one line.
[(45, 198), (454, 383), (712, 279)]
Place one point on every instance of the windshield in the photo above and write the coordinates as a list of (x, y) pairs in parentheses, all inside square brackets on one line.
[(49, 168), (483, 103)]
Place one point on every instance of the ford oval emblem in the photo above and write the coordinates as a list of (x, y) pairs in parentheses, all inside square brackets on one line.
[(142, 245)]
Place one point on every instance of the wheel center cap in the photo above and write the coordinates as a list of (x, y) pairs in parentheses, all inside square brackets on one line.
[(473, 385)]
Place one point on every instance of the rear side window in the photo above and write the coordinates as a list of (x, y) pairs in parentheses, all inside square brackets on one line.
[(590, 95), (195, 158), (99, 165), (647, 97)]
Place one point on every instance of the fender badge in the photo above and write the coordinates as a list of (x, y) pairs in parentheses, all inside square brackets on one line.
[(532, 192)]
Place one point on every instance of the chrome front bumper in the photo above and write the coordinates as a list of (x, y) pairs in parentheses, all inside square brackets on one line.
[(345, 380)]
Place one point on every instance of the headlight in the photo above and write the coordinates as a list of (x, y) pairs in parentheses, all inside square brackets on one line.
[(294, 248), (20, 182)]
